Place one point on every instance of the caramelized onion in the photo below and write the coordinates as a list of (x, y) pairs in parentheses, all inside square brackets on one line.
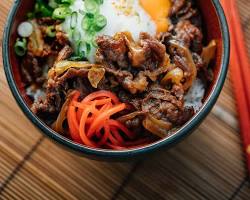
[(185, 52), (95, 75), (157, 127), (174, 76), (62, 66), (95, 72), (36, 42), (58, 125), (130, 116), (208, 53)]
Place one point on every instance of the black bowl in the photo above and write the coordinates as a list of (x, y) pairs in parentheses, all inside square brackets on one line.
[(216, 28)]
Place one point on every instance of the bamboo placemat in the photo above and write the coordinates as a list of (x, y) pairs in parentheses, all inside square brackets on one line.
[(207, 165)]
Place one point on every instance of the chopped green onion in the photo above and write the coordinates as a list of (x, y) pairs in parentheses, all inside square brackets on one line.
[(80, 47), (99, 2), (61, 13), (88, 47), (51, 31), (87, 22), (67, 1), (20, 47), (30, 15), (93, 42), (76, 35), (100, 22), (42, 9), (73, 20), (82, 12), (80, 57), (25, 29), (53, 4), (91, 6)]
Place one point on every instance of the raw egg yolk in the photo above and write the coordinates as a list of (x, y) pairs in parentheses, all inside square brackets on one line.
[(158, 10)]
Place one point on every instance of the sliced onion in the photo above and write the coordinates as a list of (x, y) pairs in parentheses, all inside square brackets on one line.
[(174, 76), (95, 75), (25, 29), (130, 116), (190, 62), (62, 66), (58, 125), (208, 53), (157, 127)]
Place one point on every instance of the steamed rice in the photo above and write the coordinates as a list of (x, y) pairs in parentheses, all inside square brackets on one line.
[(195, 95)]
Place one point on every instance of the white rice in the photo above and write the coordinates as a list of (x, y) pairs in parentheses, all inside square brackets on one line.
[(135, 23), (195, 95), (35, 93)]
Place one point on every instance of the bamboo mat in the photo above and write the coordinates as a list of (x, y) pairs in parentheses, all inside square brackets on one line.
[(207, 165)]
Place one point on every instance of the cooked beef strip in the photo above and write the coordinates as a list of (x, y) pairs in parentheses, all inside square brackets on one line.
[(177, 5), (122, 52), (128, 81), (57, 89), (131, 63), (184, 10), (42, 52), (164, 105), (189, 35), (31, 71), (113, 50), (65, 53)]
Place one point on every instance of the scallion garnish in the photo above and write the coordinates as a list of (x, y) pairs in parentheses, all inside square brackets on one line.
[(87, 22), (51, 31), (100, 22), (42, 9), (91, 6), (76, 35), (73, 20), (53, 4), (20, 47), (61, 13)]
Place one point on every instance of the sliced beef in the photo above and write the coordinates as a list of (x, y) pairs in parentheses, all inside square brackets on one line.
[(65, 53), (112, 50), (122, 52), (133, 84), (147, 54), (164, 105), (198, 61), (177, 5), (57, 90), (189, 35), (130, 62), (31, 70), (184, 10)]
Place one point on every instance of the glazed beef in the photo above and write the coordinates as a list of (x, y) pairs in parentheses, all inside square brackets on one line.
[(43, 51), (57, 89), (112, 50), (177, 6), (122, 52), (65, 53), (132, 63), (167, 106), (189, 35), (31, 70), (184, 10)]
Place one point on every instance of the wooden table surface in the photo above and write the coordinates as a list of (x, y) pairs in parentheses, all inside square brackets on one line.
[(207, 165)]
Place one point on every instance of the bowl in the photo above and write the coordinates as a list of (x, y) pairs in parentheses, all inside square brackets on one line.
[(215, 25)]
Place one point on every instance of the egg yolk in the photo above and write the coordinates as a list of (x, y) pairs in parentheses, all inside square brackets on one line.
[(158, 11)]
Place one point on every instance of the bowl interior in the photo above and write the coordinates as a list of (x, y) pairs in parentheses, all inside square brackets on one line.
[(213, 27)]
